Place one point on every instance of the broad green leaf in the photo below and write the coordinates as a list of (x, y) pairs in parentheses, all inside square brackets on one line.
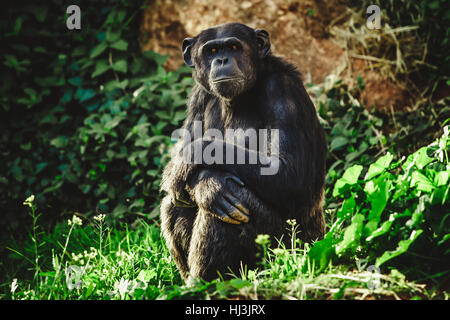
[(444, 239), (352, 156), (18, 25), (179, 115), (377, 192), (239, 283), (320, 253), (163, 115), (154, 213), (122, 84), (121, 15), (352, 236), (349, 177), (441, 178), (101, 36), (440, 195), (76, 81), (59, 142), (113, 122), (100, 68), (119, 210), (434, 4), (112, 35), (421, 182), (420, 159), (369, 227), (379, 166), (41, 166), (158, 58), (338, 142), (53, 187), (97, 50), (120, 65), (84, 94), (147, 275), (370, 187), (114, 84), (121, 45), (384, 228), (403, 245), (347, 209)]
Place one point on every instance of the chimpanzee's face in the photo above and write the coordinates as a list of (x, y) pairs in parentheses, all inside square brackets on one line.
[(226, 58)]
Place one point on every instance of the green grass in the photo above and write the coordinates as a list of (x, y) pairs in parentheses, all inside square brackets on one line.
[(94, 259), (90, 259)]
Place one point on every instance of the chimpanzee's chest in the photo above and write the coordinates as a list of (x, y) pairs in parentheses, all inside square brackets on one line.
[(245, 127), (216, 117)]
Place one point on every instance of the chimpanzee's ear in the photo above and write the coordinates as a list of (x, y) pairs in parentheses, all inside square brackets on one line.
[(187, 46), (262, 37)]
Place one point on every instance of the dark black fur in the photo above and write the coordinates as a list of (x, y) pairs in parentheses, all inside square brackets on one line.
[(273, 97)]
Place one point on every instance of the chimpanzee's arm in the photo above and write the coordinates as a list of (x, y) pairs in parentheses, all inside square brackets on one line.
[(282, 174)]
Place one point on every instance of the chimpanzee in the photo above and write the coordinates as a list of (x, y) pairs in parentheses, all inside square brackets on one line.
[(214, 210)]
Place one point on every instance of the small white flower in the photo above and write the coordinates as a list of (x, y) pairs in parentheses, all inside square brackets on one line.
[(91, 254), (29, 201), (100, 218), (262, 239), (279, 251), (28, 294), (291, 222), (76, 221), (14, 285)]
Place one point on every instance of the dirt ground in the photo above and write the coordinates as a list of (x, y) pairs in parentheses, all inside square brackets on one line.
[(299, 32)]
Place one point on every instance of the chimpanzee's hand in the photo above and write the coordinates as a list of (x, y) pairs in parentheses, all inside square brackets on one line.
[(217, 193)]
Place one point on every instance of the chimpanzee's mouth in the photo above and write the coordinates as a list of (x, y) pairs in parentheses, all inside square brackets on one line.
[(224, 79)]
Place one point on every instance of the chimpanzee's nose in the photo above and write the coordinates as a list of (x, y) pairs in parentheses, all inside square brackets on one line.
[(221, 61)]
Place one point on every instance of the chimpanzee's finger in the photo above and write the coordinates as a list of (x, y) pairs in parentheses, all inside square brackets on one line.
[(236, 203), (219, 212), (236, 180), (232, 209)]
